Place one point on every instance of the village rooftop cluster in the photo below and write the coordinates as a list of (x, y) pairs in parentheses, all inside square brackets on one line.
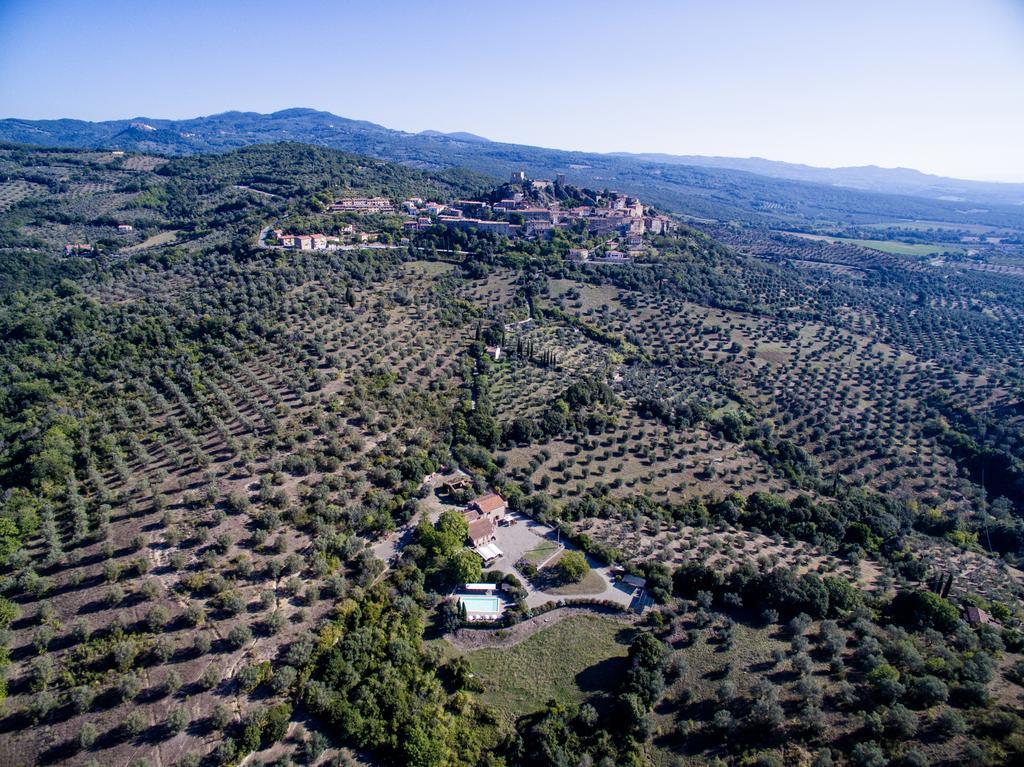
[(319, 241), (624, 219), (516, 216)]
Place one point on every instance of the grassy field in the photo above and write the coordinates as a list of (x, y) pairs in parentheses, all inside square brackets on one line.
[(592, 583), (538, 555), (885, 246), (940, 225), (163, 238), (569, 662), (428, 268)]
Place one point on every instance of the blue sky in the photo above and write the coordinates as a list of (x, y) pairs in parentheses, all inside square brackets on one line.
[(931, 84)]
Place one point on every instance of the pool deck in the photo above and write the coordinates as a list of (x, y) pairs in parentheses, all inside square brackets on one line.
[(493, 606)]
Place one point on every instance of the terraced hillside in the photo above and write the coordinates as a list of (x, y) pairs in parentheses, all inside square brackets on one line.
[(228, 527)]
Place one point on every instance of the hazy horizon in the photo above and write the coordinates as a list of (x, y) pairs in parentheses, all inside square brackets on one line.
[(927, 86)]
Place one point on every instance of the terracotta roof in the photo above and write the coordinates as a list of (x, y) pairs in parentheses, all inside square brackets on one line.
[(488, 503), (480, 529), (975, 615)]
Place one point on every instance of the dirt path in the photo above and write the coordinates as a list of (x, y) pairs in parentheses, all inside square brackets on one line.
[(257, 191), (475, 639)]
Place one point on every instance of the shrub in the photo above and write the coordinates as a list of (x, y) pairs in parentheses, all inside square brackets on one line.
[(128, 686), (82, 698), (251, 676), (948, 724), (201, 644), (240, 635), (172, 682), (283, 679), (221, 716), (209, 678), (134, 723), (928, 691), (162, 649), (573, 566), (974, 755), (798, 625), (178, 719), (41, 705), (868, 754), (921, 609), (87, 735), (156, 618), (237, 502), (912, 758), (314, 746), (195, 615), (901, 723)]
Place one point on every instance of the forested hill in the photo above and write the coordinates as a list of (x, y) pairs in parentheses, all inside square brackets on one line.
[(716, 193), (290, 169), (52, 197)]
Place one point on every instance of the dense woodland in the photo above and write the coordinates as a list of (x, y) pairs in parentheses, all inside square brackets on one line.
[(204, 443)]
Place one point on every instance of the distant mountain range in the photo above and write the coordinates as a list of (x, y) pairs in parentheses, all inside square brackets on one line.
[(457, 135), (869, 178), (746, 190)]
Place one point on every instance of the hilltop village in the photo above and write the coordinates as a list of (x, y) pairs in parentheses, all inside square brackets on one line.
[(523, 208)]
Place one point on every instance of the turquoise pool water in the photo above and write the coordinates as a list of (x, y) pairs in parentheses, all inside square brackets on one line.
[(481, 604)]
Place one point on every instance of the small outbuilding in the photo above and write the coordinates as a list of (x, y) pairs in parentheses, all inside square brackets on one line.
[(635, 581), (488, 553), (456, 485), (975, 616)]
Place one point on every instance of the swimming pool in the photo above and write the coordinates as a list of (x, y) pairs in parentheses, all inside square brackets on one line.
[(476, 604)]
